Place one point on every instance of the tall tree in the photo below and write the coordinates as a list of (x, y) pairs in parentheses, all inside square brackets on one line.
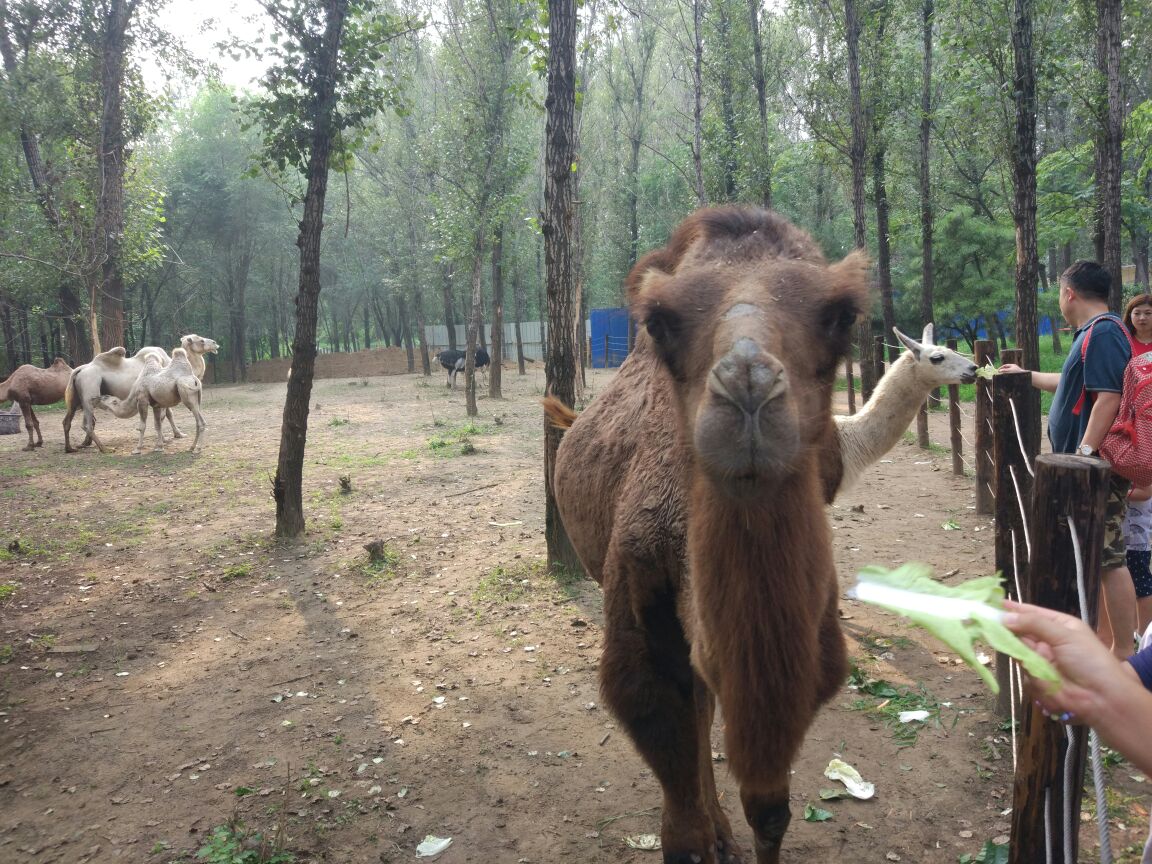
[(857, 153), (560, 177), (1109, 145), (321, 94), (1024, 185), (108, 292)]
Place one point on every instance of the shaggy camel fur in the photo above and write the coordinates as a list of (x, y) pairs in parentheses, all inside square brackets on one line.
[(869, 434), (30, 385), (112, 373), (692, 491), (161, 387)]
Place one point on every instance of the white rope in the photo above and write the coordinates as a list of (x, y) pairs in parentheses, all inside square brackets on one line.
[(1020, 438), (1093, 739), (1023, 520)]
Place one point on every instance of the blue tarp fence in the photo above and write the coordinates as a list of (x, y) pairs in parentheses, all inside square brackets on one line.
[(608, 329)]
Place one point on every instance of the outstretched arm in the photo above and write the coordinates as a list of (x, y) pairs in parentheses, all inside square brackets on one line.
[(1097, 689), (1047, 381)]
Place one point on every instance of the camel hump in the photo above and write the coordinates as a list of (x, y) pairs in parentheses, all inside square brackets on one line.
[(558, 414), (112, 356)]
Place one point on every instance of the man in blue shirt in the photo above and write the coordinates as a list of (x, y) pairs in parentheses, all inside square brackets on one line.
[(1085, 405)]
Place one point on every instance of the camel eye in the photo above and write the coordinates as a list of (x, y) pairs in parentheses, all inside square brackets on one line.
[(663, 326)]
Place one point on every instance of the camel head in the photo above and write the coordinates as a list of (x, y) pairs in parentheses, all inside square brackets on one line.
[(937, 365), (194, 344), (751, 324)]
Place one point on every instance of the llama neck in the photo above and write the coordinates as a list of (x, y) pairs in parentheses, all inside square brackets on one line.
[(869, 434)]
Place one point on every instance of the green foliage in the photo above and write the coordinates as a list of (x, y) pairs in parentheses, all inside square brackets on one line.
[(232, 843), (990, 853)]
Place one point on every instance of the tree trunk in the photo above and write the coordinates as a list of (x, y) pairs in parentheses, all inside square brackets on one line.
[(763, 166), (449, 304), (108, 289), (497, 352), (557, 228), (518, 307), (1109, 142), (474, 320), (287, 487), (883, 246), (857, 151), (406, 331), (927, 215), (698, 102), (1024, 185)]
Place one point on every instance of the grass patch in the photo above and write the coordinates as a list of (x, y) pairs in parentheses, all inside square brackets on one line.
[(383, 562), (7, 652), (236, 571), (338, 421), (879, 644), (888, 700), (507, 584), (232, 843), (456, 441), (8, 591)]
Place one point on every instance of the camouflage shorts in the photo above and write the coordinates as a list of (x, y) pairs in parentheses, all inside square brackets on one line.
[(1114, 548)]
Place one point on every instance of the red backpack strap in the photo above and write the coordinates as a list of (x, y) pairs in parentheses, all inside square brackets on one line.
[(1079, 406)]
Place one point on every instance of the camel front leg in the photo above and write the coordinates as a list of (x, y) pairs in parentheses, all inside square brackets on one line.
[(767, 811), (648, 682), (29, 423)]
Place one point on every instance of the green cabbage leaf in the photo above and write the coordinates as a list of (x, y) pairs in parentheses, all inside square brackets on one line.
[(957, 615)]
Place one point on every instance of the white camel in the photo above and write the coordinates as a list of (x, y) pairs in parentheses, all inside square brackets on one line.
[(159, 388), (868, 435), (113, 373)]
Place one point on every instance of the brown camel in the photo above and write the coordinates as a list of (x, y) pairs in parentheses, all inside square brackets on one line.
[(692, 489), (30, 385)]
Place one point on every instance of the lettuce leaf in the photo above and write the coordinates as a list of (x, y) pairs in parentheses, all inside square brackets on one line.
[(955, 614)]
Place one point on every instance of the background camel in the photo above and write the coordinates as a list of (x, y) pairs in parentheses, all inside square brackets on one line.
[(874, 430), (692, 491), (159, 388), (30, 385), (112, 373)]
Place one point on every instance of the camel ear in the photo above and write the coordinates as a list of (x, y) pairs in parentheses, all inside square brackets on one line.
[(911, 344), (926, 340)]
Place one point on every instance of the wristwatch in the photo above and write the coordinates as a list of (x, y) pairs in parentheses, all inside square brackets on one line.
[(1085, 450)]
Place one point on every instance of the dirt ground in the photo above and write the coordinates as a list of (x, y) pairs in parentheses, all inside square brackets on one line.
[(169, 667)]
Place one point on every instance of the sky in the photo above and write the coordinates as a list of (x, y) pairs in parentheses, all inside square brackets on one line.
[(200, 25)]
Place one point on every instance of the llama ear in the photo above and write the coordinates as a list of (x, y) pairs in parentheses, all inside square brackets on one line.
[(926, 340), (910, 343)]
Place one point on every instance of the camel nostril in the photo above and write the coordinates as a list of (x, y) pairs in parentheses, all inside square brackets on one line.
[(747, 377)]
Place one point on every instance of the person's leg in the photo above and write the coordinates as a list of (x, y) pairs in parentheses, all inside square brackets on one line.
[(1140, 566), (1116, 619)]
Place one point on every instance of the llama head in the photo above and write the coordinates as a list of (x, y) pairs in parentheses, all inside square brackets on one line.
[(194, 344), (937, 365), (751, 324)]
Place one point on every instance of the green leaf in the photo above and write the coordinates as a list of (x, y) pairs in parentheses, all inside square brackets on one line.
[(956, 615), (815, 814)]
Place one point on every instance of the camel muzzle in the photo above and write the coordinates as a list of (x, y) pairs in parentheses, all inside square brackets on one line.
[(748, 377)]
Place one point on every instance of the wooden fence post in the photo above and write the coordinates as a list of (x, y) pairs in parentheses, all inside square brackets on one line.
[(851, 378), (1069, 490), (1013, 454), (956, 437), (983, 438), (1012, 355)]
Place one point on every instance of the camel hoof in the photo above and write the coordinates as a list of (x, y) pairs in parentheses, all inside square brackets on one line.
[(179, 435), (29, 448)]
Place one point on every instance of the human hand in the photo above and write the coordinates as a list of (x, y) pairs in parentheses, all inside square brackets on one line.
[(1011, 367), (1087, 667)]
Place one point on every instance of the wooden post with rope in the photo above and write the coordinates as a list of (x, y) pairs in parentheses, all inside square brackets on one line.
[(1068, 491), (956, 436), (1013, 455), (983, 438)]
